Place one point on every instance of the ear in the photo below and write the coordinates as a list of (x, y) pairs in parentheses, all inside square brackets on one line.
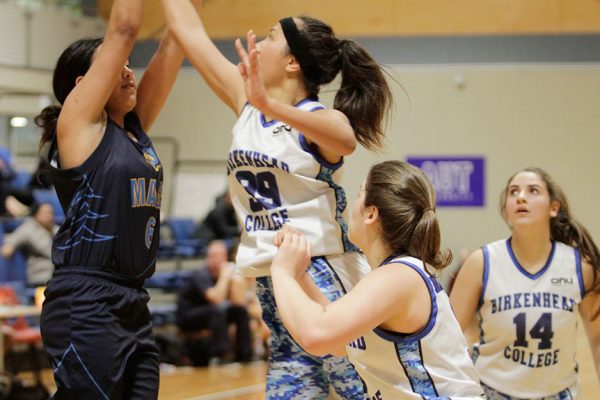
[(293, 66), (78, 79), (371, 215), (554, 209)]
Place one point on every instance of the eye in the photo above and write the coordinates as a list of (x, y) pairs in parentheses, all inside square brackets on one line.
[(535, 190), (514, 191)]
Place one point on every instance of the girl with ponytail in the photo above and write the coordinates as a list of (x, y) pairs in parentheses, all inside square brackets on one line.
[(396, 325), (285, 165), (528, 291)]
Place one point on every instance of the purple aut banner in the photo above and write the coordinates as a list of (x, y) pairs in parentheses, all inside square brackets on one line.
[(458, 181)]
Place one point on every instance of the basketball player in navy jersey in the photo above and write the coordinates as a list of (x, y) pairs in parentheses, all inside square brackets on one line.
[(396, 324), (285, 164), (528, 290), (95, 321)]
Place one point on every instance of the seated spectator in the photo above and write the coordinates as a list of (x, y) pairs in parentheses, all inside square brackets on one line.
[(210, 301), (34, 237), (6, 176), (40, 179), (220, 223)]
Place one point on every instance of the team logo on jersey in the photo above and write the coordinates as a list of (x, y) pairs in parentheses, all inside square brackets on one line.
[(561, 281), (151, 158), (281, 128)]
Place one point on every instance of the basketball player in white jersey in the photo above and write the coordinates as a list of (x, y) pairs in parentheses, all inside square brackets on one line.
[(527, 291), (285, 164), (396, 324)]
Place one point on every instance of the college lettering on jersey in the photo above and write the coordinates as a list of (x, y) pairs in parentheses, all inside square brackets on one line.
[(532, 300), (251, 158), (145, 195)]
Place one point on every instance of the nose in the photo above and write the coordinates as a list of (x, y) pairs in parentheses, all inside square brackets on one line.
[(521, 196), (127, 73)]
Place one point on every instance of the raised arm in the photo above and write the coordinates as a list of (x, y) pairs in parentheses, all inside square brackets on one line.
[(467, 288), (158, 80), (219, 73), (79, 126), (330, 130), (590, 315)]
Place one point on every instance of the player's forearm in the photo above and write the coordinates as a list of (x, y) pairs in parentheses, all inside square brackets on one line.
[(299, 312)]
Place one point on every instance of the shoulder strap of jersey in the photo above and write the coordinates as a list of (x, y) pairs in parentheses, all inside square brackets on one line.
[(310, 105)]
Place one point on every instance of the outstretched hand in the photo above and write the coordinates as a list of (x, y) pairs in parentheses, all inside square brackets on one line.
[(249, 67), (294, 251)]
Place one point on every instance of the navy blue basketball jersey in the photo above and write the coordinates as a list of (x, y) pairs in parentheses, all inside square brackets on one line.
[(112, 206)]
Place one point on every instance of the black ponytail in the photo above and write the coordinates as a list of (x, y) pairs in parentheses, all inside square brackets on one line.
[(364, 96), (47, 121)]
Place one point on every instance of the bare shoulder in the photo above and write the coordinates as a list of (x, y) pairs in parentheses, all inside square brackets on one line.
[(474, 263), (334, 114), (587, 271), (399, 279)]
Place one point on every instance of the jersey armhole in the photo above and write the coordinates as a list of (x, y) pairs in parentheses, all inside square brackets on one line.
[(486, 273), (397, 336), (317, 156), (90, 163), (579, 271)]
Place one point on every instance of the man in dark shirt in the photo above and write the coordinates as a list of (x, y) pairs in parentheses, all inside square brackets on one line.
[(220, 223), (212, 299)]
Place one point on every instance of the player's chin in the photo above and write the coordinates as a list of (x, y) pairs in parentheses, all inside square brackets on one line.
[(131, 102)]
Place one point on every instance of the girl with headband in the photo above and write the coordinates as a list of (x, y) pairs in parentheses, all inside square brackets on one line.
[(285, 165)]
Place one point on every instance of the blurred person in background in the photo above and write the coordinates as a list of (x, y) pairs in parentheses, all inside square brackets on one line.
[(34, 238)]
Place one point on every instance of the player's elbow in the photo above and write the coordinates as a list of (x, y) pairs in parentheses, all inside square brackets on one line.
[(347, 147), (316, 342), (126, 26)]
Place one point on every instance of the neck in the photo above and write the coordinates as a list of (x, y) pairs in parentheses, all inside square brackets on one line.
[(531, 249), (376, 251), (291, 91)]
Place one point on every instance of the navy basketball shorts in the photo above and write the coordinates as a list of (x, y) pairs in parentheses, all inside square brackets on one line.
[(98, 338), (293, 373)]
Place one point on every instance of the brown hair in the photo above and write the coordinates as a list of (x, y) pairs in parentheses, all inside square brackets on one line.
[(406, 202), (364, 95), (563, 228)]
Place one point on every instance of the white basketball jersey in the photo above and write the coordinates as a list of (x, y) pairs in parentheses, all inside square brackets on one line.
[(276, 178), (529, 322), (432, 363)]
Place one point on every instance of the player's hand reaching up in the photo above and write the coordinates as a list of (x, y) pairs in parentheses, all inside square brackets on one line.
[(249, 67), (294, 252)]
